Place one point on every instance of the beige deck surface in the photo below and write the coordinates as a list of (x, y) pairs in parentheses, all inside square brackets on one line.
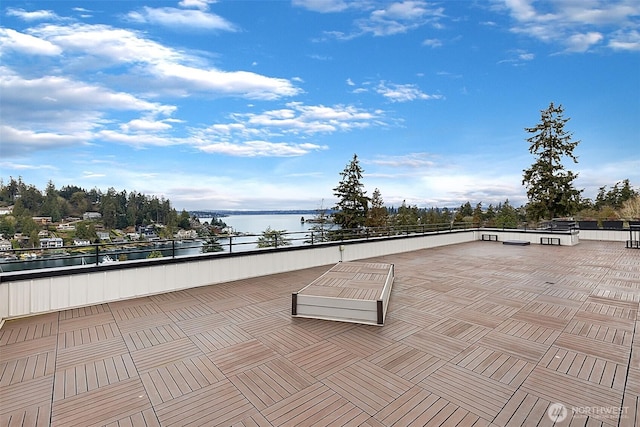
[(350, 280), (476, 334)]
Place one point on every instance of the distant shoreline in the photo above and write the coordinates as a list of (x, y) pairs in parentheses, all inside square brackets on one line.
[(223, 212)]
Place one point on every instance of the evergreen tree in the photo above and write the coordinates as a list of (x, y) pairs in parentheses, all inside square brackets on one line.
[(507, 216), (377, 216), (352, 206), (322, 224), (477, 215), (273, 238), (549, 186), (406, 216)]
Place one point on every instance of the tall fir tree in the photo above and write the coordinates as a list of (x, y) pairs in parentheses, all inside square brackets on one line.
[(549, 185), (377, 216), (353, 204)]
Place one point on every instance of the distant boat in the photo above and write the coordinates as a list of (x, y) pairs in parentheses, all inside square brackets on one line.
[(108, 260)]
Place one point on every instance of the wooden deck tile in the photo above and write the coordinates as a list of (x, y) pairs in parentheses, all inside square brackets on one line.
[(27, 368), (81, 378), (25, 348), (271, 382), (521, 348), (163, 354), (289, 339), (313, 404), (473, 392), (493, 364), (116, 401), (68, 357), (436, 344), (146, 338), (27, 329), (26, 394), (240, 357), (368, 386), (266, 325), (322, 359), (459, 329), (202, 324), (613, 352), (219, 338), (192, 311), (630, 411), (361, 341), (475, 335), (573, 392), (528, 331), (586, 367), (219, 404), (407, 362)]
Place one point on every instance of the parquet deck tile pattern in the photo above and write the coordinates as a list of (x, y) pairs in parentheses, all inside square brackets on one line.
[(477, 334)]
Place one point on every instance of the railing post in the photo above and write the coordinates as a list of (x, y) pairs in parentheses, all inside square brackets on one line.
[(97, 254), (230, 243), (173, 248)]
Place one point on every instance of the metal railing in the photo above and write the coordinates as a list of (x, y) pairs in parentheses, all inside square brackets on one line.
[(115, 252)]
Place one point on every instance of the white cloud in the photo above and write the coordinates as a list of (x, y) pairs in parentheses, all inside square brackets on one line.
[(576, 25), (17, 142), (432, 43), (260, 148), (582, 42), (299, 119), (411, 160), (400, 17), (625, 40), (322, 6), (197, 4), (164, 69), (36, 15), (26, 44), (144, 125), (55, 93), (183, 19), (403, 92), (232, 83)]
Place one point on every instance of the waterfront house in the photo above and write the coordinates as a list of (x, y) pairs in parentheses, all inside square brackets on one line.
[(43, 220), (103, 236), (91, 215), (51, 242)]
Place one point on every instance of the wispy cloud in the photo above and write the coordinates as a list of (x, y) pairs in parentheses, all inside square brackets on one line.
[(403, 92), (577, 26), (12, 40), (323, 6), (36, 15), (183, 19)]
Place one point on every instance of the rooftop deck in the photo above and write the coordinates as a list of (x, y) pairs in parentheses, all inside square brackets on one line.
[(477, 334)]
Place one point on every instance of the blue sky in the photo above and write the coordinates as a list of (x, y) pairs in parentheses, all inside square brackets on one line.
[(261, 104)]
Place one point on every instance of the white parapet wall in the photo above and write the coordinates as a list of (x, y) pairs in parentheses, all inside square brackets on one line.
[(564, 238), (41, 291), (605, 235)]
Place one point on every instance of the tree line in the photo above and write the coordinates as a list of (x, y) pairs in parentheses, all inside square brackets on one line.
[(117, 209), (550, 189)]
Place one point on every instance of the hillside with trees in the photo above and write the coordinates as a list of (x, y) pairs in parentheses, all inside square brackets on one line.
[(70, 204)]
